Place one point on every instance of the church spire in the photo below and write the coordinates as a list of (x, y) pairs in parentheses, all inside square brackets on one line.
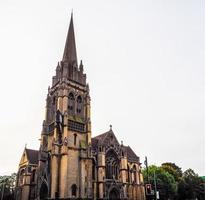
[(70, 54)]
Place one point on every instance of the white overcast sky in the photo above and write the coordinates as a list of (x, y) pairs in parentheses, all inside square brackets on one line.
[(145, 63)]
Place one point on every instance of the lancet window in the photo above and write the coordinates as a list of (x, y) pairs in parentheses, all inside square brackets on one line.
[(74, 190), (112, 165), (33, 175), (21, 177), (71, 104), (135, 173), (128, 173), (79, 107)]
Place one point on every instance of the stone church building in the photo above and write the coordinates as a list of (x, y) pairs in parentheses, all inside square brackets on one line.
[(70, 163)]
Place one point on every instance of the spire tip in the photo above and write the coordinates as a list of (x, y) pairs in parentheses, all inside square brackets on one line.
[(70, 53)]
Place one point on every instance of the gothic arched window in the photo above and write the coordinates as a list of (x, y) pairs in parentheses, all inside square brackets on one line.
[(128, 173), (112, 165), (79, 108), (75, 138), (33, 175), (93, 170), (74, 190), (21, 176), (49, 163), (54, 100), (135, 173), (71, 103)]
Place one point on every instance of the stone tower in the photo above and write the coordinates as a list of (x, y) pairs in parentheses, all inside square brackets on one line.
[(66, 136)]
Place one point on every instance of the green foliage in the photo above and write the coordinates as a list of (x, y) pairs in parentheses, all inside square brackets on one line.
[(7, 185), (191, 186), (173, 169), (172, 183), (165, 182)]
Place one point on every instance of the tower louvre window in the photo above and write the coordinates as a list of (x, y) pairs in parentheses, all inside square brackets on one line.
[(71, 103), (76, 126), (79, 105)]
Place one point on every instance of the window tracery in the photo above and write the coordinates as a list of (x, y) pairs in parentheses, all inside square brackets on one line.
[(71, 103), (112, 165), (79, 107)]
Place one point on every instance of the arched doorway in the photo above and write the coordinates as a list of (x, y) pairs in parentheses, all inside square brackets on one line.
[(114, 194), (44, 191)]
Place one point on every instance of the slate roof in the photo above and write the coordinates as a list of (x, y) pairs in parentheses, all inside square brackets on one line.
[(102, 136), (98, 139), (131, 156), (32, 156)]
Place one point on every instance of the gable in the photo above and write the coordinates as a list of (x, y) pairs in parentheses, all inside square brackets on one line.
[(105, 139), (32, 156), (109, 141), (29, 156), (24, 159)]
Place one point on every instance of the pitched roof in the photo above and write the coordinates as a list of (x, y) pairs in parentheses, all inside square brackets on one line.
[(32, 156), (131, 156), (97, 139), (101, 136)]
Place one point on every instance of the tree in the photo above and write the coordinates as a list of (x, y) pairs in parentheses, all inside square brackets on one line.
[(172, 183), (191, 186), (173, 169), (7, 184), (165, 182)]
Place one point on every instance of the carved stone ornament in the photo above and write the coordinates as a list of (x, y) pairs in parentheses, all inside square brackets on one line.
[(65, 142)]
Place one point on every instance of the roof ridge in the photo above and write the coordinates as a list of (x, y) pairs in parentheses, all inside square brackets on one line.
[(32, 149), (101, 134)]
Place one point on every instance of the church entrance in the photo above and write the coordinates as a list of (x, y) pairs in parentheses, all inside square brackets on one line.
[(44, 191), (114, 194)]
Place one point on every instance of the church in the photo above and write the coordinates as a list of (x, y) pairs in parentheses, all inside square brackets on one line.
[(70, 163)]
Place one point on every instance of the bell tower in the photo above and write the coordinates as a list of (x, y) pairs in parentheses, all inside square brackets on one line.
[(65, 152)]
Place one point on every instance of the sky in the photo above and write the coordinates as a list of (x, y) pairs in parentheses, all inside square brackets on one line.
[(144, 62)]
